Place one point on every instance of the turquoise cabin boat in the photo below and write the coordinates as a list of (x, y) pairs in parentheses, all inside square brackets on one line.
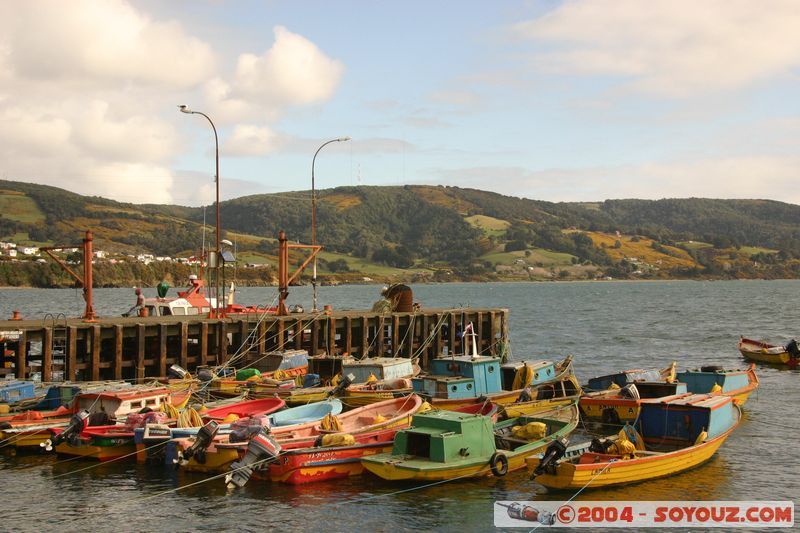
[(738, 384), (681, 418)]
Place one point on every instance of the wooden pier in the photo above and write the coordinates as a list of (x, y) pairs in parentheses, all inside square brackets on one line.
[(54, 349)]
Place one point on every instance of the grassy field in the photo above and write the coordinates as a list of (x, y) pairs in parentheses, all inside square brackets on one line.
[(642, 250), (489, 225), (16, 206), (536, 256), (695, 245)]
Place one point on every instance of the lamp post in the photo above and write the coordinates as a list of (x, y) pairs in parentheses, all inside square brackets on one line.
[(314, 218), (185, 109)]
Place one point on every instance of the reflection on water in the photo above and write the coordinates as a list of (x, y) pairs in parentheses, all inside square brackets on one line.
[(606, 326)]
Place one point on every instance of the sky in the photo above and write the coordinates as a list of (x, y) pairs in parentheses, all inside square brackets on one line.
[(581, 100)]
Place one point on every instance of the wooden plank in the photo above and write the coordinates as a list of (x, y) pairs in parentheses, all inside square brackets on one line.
[(493, 332), (21, 362), (299, 335), (47, 354), (245, 343), (479, 331), (94, 357), (162, 350), (118, 338), (71, 358), (364, 337), (184, 354), (141, 339), (348, 335), (203, 343)]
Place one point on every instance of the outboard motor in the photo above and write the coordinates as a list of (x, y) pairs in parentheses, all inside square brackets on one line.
[(177, 372), (73, 429), (343, 384), (555, 451), (198, 450), (261, 449), (792, 349)]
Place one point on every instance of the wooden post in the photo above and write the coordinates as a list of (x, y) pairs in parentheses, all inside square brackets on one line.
[(439, 337), (493, 332), (21, 363), (451, 341), (184, 355), (348, 335), (364, 337), (71, 358), (162, 350), (396, 339), (298, 334), (262, 336), (424, 350), (203, 343), (411, 327), (331, 336), (95, 355), (118, 338), (282, 335), (479, 332), (47, 354), (379, 341), (244, 332), (141, 339), (222, 353), (314, 337)]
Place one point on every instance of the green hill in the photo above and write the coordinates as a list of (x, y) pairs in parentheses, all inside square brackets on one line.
[(435, 233)]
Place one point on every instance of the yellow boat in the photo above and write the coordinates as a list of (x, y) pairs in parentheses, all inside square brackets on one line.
[(620, 406), (534, 407), (696, 426), (376, 391), (772, 354)]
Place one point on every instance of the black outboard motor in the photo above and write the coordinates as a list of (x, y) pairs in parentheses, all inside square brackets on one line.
[(555, 451), (261, 448), (792, 349), (198, 450), (73, 429), (343, 384)]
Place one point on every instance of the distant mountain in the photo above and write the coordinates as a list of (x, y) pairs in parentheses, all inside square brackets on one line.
[(438, 233)]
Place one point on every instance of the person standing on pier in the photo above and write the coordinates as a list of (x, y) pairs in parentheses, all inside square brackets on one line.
[(139, 304)]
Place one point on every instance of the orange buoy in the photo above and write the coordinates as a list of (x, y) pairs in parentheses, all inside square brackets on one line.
[(16, 315)]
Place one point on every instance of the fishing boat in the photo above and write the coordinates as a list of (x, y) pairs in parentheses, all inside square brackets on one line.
[(444, 445), (626, 377), (460, 380), (620, 406), (377, 390), (262, 406), (673, 434), (149, 439), (738, 384), (100, 408), (221, 451), (339, 455), (774, 354), (272, 367)]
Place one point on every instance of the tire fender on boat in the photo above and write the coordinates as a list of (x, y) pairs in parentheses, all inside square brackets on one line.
[(499, 464)]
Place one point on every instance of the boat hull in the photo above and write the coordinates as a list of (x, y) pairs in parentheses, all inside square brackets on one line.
[(322, 464), (763, 352), (571, 476)]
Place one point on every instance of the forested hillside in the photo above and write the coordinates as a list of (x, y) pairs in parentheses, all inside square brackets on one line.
[(436, 233)]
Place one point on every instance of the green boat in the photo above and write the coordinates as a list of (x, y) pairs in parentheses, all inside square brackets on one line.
[(448, 445)]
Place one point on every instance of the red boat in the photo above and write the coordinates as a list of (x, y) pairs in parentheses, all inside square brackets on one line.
[(264, 406)]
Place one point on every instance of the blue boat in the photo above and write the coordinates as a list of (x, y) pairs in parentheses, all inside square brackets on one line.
[(738, 384)]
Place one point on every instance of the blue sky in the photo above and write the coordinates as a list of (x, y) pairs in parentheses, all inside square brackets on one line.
[(560, 101)]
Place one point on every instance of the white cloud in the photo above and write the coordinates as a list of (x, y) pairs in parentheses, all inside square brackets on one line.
[(672, 48), (292, 72), (250, 140), (88, 89), (100, 41), (724, 177)]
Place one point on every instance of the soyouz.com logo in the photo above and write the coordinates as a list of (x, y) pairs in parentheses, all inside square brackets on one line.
[(633, 514)]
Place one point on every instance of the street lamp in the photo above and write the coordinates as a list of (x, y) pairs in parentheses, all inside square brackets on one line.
[(314, 217), (187, 110)]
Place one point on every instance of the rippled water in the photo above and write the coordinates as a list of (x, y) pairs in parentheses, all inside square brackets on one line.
[(606, 326)]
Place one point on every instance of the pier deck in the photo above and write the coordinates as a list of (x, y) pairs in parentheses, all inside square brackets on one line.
[(135, 348)]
